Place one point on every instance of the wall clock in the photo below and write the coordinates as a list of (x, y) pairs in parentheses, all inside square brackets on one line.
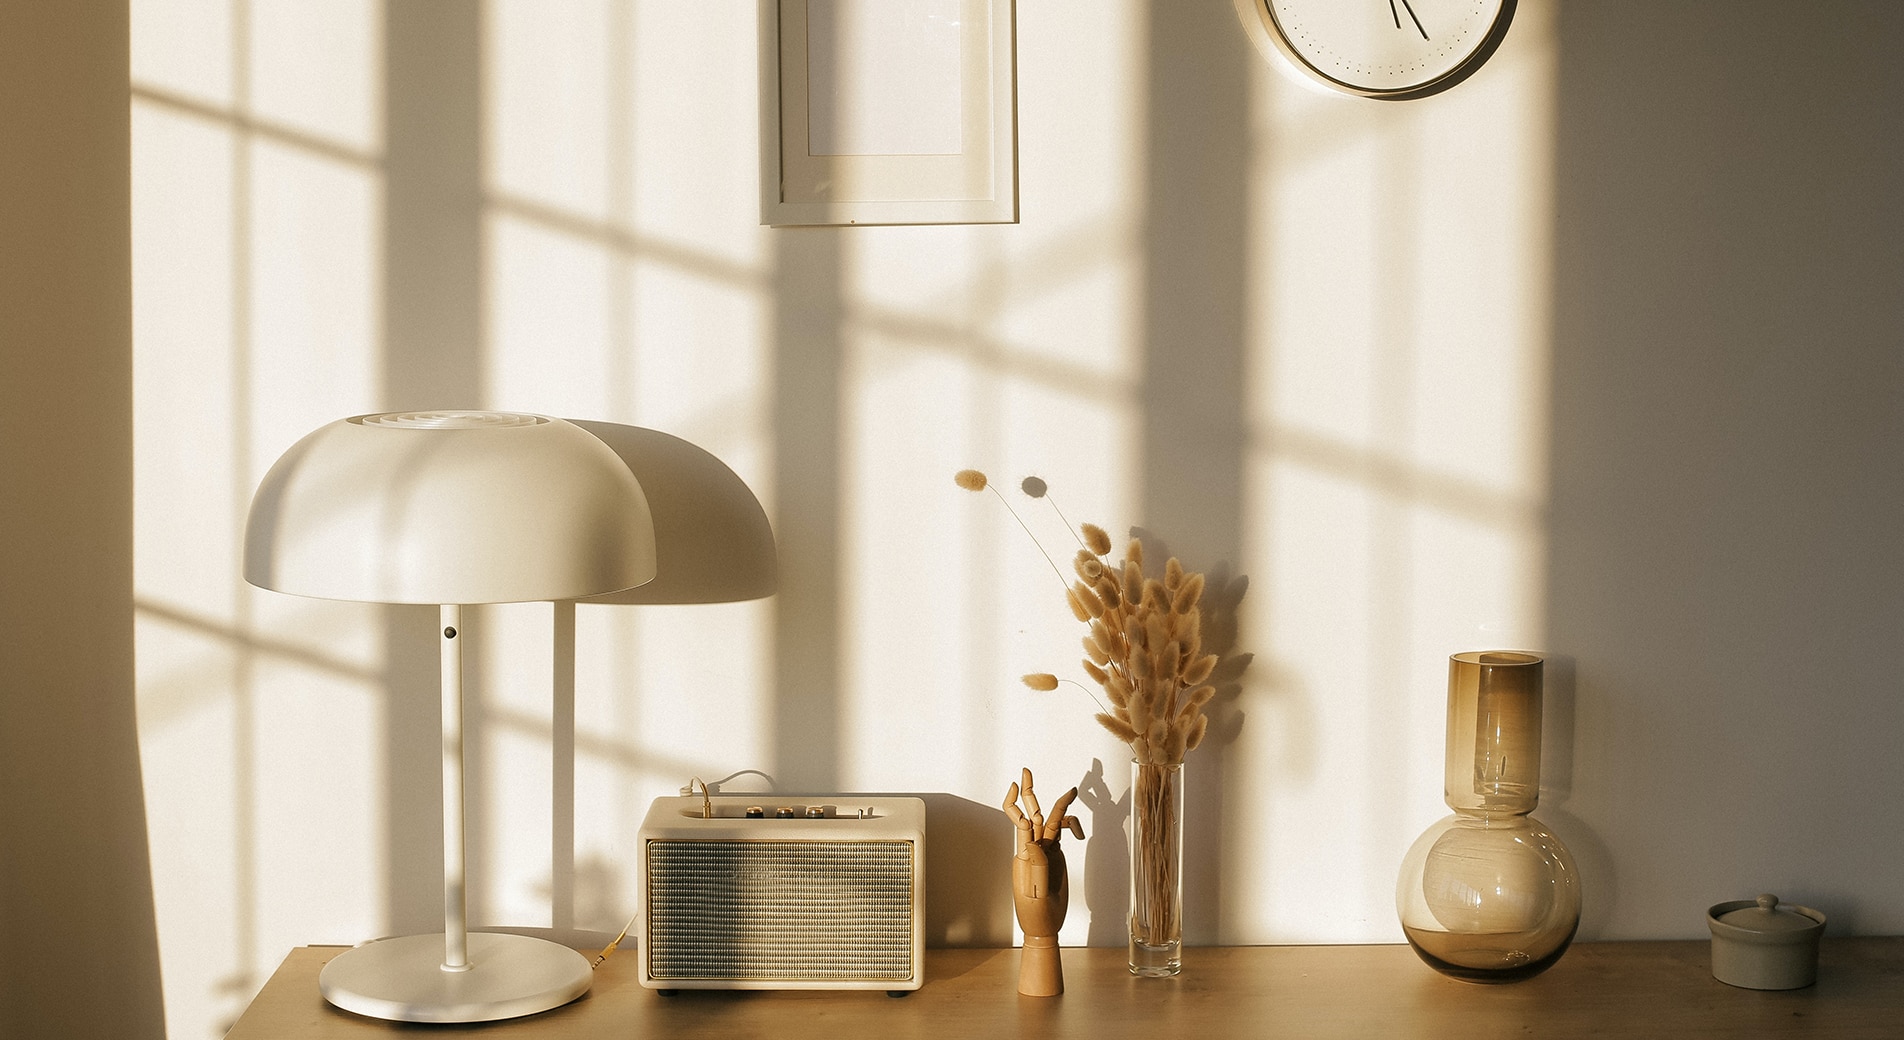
[(1392, 50)]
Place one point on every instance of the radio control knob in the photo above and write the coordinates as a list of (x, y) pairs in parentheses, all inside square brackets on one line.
[(816, 812), (785, 812), (755, 812)]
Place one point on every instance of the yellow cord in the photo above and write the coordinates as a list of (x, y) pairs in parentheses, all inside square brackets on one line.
[(610, 948), (707, 813)]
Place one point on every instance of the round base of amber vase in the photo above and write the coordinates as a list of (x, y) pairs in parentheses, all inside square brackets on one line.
[(1486, 899), (1425, 943)]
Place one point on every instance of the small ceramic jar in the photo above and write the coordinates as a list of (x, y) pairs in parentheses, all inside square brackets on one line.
[(1759, 944)]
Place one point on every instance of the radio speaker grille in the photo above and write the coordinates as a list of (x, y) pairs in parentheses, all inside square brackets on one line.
[(780, 910)]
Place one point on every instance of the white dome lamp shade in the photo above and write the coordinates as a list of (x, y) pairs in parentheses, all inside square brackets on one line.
[(451, 508)]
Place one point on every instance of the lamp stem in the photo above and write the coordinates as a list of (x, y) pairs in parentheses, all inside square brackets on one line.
[(455, 910)]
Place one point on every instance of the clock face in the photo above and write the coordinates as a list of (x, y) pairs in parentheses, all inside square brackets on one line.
[(1391, 49)]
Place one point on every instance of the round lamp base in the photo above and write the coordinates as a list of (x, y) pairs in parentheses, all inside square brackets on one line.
[(403, 979)]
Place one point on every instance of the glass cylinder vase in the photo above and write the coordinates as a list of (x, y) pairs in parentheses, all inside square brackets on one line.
[(1156, 917), (1488, 894)]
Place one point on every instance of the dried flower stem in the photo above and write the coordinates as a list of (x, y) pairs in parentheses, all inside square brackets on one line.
[(1156, 835), (1035, 487), (1047, 681), (974, 480)]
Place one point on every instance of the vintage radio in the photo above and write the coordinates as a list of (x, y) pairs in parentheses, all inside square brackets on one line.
[(781, 892)]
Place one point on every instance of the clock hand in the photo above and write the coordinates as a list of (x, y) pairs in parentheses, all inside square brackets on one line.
[(1397, 15), (1411, 17)]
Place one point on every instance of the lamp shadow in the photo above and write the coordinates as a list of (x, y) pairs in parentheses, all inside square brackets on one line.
[(713, 543)]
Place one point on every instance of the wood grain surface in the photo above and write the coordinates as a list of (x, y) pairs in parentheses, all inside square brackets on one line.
[(1624, 989)]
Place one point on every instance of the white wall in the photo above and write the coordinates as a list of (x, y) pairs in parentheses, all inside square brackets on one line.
[(1585, 355)]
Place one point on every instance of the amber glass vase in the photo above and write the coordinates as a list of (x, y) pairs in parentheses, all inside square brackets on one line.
[(1488, 894)]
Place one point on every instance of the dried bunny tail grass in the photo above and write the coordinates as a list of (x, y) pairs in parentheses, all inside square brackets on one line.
[(1092, 605), (1119, 691), (1143, 704), (1096, 539), (1199, 670), (1134, 712), (1134, 553), (1077, 605), (1189, 632), (1045, 681), (1169, 659), (1197, 729), (1133, 582), (1098, 640), (1140, 750), (1109, 590), (970, 479), (1193, 704), (1089, 567), (1155, 637), (1155, 597), (1174, 744), (1173, 573), (1119, 728), (1188, 594), (1098, 675)]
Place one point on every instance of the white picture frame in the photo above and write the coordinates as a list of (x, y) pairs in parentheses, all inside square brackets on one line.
[(888, 112)]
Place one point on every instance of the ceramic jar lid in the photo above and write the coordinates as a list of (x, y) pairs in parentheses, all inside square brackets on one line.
[(1764, 915), (1761, 944)]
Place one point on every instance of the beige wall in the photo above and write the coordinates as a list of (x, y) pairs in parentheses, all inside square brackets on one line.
[(1596, 354), (1726, 578), (78, 957)]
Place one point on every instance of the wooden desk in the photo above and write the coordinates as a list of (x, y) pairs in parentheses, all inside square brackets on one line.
[(1631, 989)]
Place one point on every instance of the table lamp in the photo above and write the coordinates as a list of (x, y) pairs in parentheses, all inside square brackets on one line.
[(450, 508)]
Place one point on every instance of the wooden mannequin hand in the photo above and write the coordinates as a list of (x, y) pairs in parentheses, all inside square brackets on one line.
[(1041, 890)]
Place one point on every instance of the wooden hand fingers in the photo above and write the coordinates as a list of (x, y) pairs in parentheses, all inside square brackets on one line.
[(1033, 825), (1059, 822), (1031, 805), (1025, 831)]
